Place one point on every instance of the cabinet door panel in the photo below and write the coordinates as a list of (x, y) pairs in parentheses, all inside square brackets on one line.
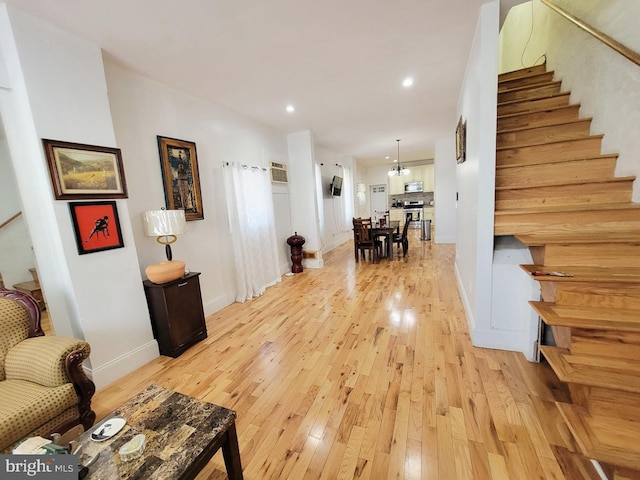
[(185, 314)]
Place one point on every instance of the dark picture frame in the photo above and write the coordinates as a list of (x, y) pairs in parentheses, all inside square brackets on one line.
[(96, 226), (461, 141), (180, 177), (80, 171)]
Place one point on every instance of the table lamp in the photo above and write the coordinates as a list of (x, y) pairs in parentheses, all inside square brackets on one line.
[(165, 225)]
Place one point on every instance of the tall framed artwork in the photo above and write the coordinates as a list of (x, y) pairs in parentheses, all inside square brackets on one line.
[(179, 163), (81, 171), (96, 226), (461, 141)]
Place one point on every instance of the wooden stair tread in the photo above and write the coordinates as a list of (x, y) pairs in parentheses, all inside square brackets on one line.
[(540, 110), (530, 86), (606, 372), (552, 183), (523, 73), (585, 273), (607, 439), (535, 240), (588, 317), (570, 208), (551, 142), (548, 126), (541, 97), (29, 286)]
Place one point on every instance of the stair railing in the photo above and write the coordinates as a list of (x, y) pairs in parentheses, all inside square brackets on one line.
[(7, 222), (603, 37)]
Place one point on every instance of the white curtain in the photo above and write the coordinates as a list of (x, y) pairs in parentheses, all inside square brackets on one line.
[(253, 230), (347, 189)]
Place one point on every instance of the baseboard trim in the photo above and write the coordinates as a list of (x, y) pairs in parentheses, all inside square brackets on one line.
[(124, 364)]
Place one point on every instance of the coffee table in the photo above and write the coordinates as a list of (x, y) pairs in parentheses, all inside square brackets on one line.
[(182, 434)]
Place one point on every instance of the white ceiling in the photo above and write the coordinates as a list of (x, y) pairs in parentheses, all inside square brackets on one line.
[(340, 62)]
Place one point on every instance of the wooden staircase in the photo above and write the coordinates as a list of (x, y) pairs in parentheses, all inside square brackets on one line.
[(557, 193)]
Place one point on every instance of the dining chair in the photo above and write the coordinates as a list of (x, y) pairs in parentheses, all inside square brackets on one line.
[(402, 238), (365, 239)]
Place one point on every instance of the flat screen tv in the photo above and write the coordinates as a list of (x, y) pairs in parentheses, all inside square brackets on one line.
[(336, 186)]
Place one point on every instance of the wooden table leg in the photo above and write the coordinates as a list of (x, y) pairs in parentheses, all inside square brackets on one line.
[(231, 454)]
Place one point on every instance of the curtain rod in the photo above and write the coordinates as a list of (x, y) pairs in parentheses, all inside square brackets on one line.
[(252, 167)]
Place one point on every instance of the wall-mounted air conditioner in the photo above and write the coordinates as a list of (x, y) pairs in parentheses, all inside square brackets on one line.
[(278, 172)]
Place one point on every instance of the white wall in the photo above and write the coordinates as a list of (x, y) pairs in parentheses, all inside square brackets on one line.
[(304, 187), (445, 190), (144, 108), (475, 178), (58, 92), (601, 80)]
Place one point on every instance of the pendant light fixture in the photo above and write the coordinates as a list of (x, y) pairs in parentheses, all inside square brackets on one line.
[(397, 169)]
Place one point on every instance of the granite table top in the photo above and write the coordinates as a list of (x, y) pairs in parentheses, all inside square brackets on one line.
[(182, 433)]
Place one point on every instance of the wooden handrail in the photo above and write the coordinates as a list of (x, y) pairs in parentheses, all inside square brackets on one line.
[(603, 37), (4, 224)]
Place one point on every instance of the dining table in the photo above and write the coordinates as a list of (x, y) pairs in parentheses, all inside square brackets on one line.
[(386, 230)]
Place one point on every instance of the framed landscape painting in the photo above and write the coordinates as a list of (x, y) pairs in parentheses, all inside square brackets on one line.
[(84, 171), (96, 226), (179, 163)]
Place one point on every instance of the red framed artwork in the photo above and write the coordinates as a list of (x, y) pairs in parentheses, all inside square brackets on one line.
[(96, 226)]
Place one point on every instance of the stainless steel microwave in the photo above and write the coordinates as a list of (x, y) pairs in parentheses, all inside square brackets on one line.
[(411, 187)]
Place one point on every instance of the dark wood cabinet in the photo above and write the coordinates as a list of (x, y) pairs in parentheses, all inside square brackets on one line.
[(177, 316)]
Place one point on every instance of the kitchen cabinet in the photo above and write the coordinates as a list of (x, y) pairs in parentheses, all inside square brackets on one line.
[(397, 214), (177, 315), (396, 184), (428, 178)]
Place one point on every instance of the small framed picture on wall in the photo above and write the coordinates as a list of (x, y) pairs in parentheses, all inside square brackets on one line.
[(96, 226)]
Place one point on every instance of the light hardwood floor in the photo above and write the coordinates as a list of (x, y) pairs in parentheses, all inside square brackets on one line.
[(361, 370)]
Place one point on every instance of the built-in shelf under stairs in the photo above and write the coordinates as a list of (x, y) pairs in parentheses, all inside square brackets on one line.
[(557, 193)]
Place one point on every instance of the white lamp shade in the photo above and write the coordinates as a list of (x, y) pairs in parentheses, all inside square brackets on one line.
[(159, 223)]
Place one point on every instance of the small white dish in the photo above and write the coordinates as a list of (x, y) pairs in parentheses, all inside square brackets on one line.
[(133, 448), (108, 429)]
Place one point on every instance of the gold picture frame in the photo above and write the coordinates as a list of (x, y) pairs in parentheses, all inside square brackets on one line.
[(80, 171), (179, 163)]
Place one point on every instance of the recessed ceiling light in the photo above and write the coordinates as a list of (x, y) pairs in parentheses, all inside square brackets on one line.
[(407, 82), (290, 108)]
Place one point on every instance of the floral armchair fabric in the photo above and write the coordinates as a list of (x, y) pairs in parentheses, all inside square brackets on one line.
[(43, 387)]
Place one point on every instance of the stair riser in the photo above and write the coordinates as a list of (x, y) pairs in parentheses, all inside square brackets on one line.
[(564, 172), (522, 73), (535, 91), (533, 105), (584, 294), (552, 133), (538, 79), (559, 195), (594, 255), (613, 403), (562, 222), (589, 147), (622, 345)]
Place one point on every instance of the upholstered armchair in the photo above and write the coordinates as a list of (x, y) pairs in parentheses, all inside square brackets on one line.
[(43, 387)]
